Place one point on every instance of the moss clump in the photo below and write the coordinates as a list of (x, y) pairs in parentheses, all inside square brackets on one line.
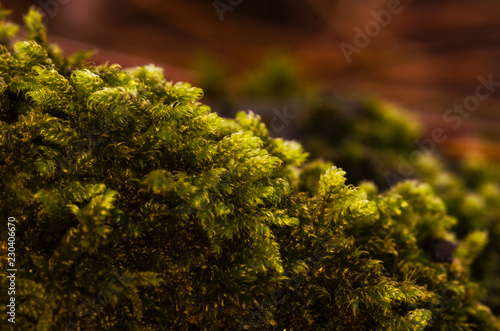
[(138, 209), (385, 147)]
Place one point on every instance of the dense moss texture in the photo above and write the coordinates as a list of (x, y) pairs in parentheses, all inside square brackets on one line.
[(385, 146), (139, 209)]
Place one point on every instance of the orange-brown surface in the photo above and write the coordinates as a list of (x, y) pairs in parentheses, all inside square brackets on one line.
[(427, 58)]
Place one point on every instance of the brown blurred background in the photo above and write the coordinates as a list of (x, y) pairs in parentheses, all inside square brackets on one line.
[(427, 58)]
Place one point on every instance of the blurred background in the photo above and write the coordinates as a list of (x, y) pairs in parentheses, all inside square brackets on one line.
[(426, 59)]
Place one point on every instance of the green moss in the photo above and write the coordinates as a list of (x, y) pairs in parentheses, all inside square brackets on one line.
[(137, 208), (373, 142)]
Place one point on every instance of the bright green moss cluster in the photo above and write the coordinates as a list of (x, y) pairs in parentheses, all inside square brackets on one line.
[(138, 209), (378, 144)]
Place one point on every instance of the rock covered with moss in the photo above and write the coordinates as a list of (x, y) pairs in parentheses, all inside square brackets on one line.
[(137, 208)]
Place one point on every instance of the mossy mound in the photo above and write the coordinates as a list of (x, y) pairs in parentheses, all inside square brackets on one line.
[(137, 208)]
